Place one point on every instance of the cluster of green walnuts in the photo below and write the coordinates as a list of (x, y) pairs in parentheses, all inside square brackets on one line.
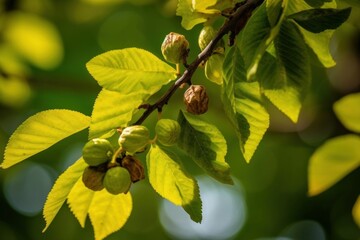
[(117, 170)]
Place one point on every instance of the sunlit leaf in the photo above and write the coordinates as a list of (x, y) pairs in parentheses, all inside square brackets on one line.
[(213, 68), (243, 104), (205, 144), (41, 131), (34, 38), (347, 109), (61, 190), (108, 212), (259, 34), (130, 70), (295, 6), (14, 92), (285, 80), (318, 20), (170, 180), (316, 3), (79, 200), (332, 161), (356, 211), (112, 110), (319, 43)]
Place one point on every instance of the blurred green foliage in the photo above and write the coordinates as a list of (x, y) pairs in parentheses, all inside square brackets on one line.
[(42, 66)]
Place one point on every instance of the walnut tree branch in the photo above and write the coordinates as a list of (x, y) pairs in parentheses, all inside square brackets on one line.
[(232, 26)]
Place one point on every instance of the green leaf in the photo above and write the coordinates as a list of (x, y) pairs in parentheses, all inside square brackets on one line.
[(285, 80), (319, 43), (316, 3), (108, 212), (79, 200), (205, 144), (41, 131), (213, 68), (170, 180), (318, 20), (61, 190), (112, 110), (130, 70), (259, 33), (356, 211), (332, 161), (348, 111), (243, 104), (295, 6)]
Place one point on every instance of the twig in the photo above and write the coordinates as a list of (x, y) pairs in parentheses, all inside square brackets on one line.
[(232, 25)]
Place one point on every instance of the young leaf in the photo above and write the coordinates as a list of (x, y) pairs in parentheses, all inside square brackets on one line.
[(205, 144), (112, 110), (130, 70), (41, 131), (286, 79), (168, 178), (61, 190), (318, 20), (79, 200), (356, 211), (108, 212), (213, 68), (332, 161), (348, 111), (243, 104)]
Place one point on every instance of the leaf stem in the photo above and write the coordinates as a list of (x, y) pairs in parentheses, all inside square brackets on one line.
[(233, 25)]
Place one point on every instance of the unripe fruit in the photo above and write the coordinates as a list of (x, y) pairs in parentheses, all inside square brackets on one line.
[(196, 99), (207, 34), (135, 168), (167, 131), (134, 138), (175, 48), (93, 179), (117, 180), (97, 151)]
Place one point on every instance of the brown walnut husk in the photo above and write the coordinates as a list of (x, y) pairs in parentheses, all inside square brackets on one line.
[(196, 99), (93, 178), (135, 168)]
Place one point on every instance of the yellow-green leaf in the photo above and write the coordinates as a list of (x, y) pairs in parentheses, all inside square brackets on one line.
[(347, 109), (108, 212), (205, 144), (170, 180), (34, 38), (356, 211), (112, 110), (79, 200), (295, 6), (130, 70), (332, 161), (243, 104), (61, 190), (41, 131)]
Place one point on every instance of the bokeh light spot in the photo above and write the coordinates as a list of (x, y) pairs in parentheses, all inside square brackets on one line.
[(26, 188), (224, 213)]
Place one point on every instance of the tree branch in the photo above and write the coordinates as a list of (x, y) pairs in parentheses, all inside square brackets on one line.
[(233, 25)]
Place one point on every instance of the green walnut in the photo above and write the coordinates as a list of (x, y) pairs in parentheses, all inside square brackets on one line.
[(93, 178), (207, 34), (175, 48), (134, 139), (97, 151), (117, 180), (167, 131)]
